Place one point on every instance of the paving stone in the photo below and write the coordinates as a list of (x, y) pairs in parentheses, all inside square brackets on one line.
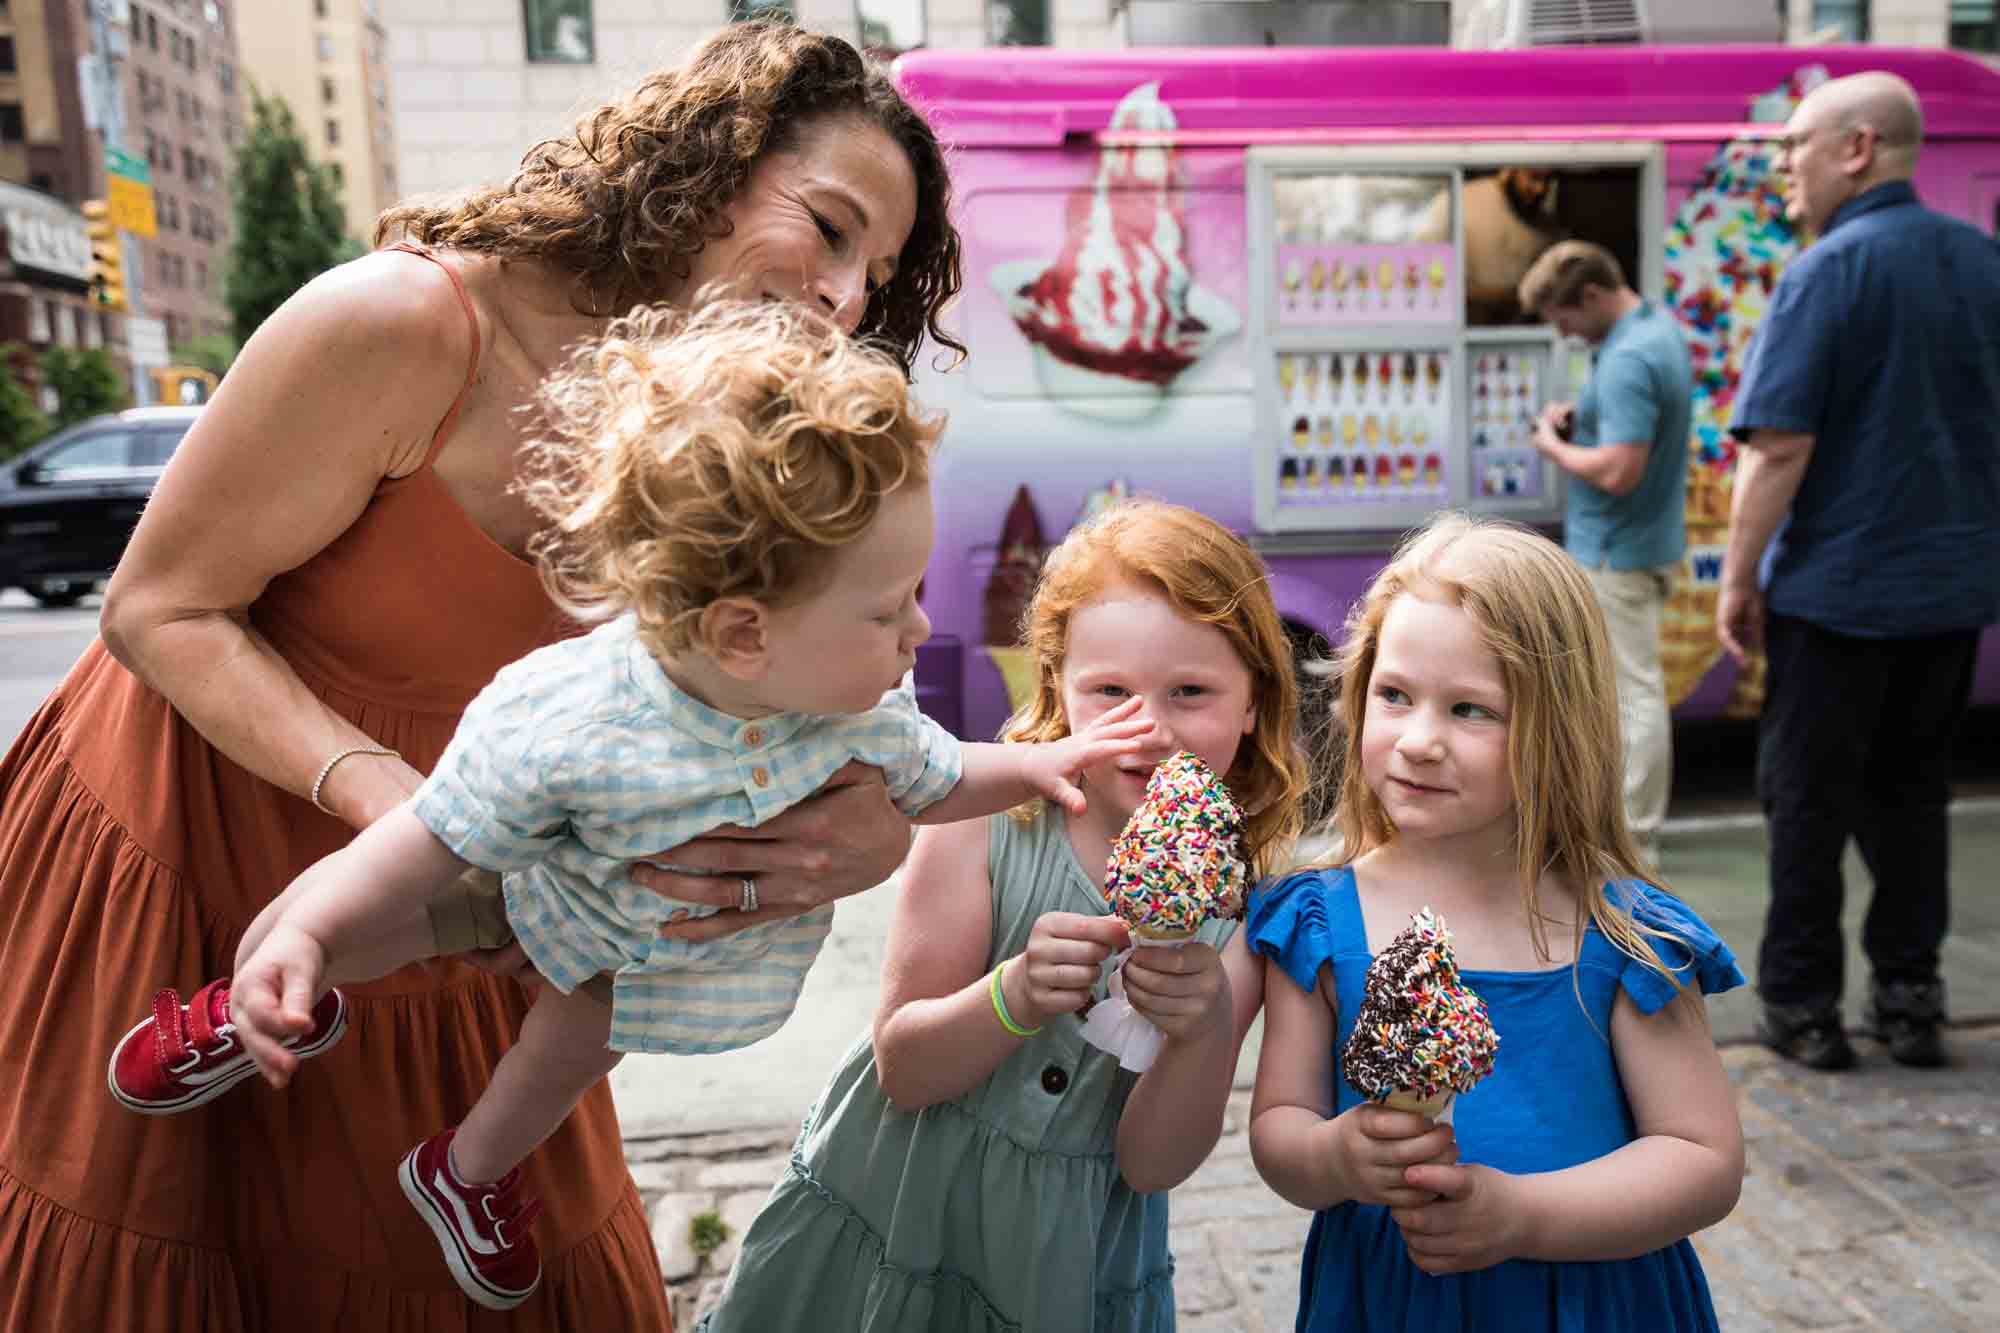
[(744, 1173), (1805, 1196), (673, 1238), (738, 1212), (1223, 1173), (1198, 1284), (1904, 1185), (1778, 1281)]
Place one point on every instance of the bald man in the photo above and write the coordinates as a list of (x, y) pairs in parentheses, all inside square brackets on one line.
[(1864, 556)]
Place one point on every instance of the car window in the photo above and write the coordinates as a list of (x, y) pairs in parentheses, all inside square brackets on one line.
[(90, 456), (153, 447)]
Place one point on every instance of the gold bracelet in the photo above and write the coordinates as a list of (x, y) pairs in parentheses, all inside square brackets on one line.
[(339, 755)]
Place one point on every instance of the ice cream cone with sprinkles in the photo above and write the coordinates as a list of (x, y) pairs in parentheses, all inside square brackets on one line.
[(1421, 1035), (1179, 860)]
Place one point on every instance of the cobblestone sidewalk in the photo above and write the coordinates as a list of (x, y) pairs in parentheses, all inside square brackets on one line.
[(1872, 1201)]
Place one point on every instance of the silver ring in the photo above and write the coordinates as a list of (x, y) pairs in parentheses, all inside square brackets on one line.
[(748, 903)]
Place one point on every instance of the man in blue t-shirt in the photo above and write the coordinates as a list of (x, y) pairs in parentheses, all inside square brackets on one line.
[(1864, 554), (1624, 444)]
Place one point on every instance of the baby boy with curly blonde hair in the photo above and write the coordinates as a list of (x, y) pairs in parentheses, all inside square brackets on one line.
[(740, 498)]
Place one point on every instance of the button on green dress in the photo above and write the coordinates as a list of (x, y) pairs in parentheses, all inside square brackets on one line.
[(1000, 1210)]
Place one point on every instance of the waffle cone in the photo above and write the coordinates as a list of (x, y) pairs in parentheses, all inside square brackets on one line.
[(1430, 1107)]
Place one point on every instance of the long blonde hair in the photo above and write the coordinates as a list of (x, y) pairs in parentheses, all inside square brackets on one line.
[(1539, 618), (1208, 575), (723, 451)]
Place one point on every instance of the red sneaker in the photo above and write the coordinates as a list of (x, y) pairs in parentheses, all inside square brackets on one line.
[(484, 1230), (181, 1057)]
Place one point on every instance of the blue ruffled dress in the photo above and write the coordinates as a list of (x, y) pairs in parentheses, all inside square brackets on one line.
[(1552, 1101)]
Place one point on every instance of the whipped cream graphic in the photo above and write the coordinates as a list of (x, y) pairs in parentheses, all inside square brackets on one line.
[(1118, 302)]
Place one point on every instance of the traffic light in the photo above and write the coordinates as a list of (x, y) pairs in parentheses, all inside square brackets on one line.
[(107, 263)]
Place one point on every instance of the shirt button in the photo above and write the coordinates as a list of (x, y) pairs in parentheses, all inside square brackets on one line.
[(761, 776), (753, 735), (1054, 1079)]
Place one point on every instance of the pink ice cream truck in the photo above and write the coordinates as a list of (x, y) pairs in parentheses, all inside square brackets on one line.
[(1276, 284)]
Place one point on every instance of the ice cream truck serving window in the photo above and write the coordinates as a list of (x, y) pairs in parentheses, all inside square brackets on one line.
[(1278, 285)]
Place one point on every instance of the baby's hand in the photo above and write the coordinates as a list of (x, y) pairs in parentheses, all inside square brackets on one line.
[(1468, 1225), (1373, 1146), (1057, 972), (1053, 767), (1183, 992), (272, 996)]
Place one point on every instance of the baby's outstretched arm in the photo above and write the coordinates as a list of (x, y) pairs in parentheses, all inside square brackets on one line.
[(1306, 1153), (1682, 1173), (999, 777), (341, 903)]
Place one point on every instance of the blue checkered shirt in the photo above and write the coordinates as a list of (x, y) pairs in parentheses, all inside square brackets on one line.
[(583, 757)]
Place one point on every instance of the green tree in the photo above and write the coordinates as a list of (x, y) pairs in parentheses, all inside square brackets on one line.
[(288, 217), (213, 352), (21, 421), (85, 381)]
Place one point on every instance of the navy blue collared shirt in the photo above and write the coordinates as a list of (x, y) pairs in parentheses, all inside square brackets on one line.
[(1882, 342)]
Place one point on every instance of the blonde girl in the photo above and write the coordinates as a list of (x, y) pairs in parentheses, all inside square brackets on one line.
[(974, 1164), (1483, 780), (740, 497)]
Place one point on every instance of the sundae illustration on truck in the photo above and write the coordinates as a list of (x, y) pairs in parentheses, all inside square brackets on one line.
[(1275, 284)]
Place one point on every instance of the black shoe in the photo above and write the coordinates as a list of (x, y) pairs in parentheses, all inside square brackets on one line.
[(1905, 1017), (1806, 1033)]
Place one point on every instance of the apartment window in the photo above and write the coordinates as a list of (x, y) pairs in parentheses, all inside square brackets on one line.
[(181, 103), (1847, 18), (174, 45), (332, 133), (201, 275), (325, 45), (225, 74), (152, 32), (761, 9), (559, 31), (1975, 25), (11, 128), (328, 92), (38, 320), (6, 55), (187, 165), (890, 25)]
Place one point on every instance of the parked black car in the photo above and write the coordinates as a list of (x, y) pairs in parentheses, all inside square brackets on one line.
[(68, 504)]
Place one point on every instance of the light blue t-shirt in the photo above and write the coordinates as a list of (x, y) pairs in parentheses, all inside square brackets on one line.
[(583, 757), (1641, 390)]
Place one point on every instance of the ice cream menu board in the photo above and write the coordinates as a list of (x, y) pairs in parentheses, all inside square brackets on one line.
[(1505, 399), (1361, 425), (1358, 249)]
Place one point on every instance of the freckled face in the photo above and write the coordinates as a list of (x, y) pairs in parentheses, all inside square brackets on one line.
[(1434, 737), (823, 222), (1130, 640)]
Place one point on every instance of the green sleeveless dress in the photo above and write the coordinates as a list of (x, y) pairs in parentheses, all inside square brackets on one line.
[(1001, 1210)]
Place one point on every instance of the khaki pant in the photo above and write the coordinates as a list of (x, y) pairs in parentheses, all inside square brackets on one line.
[(1633, 600), (472, 914)]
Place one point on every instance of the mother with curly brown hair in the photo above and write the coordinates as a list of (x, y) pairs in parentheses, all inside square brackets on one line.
[(329, 571)]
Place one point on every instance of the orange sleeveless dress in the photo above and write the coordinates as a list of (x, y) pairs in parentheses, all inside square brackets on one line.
[(133, 855)]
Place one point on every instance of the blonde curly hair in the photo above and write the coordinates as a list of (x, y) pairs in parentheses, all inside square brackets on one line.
[(638, 188), (1208, 575), (719, 452)]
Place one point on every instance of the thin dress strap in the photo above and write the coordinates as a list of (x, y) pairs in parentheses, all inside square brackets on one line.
[(472, 367)]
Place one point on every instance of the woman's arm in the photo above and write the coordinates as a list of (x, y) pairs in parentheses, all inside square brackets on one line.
[(339, 388), (1682, 1173), (936, 1032), (1174, 1115), (1308, 1155)]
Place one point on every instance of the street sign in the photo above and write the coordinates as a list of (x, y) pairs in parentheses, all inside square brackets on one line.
[(128, 189), (146, 341)]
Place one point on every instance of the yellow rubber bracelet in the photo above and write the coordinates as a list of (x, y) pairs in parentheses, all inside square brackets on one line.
[(1000, 1005)]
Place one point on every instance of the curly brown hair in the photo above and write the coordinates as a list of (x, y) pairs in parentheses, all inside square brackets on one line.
[(719, 452), (638, 188)]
